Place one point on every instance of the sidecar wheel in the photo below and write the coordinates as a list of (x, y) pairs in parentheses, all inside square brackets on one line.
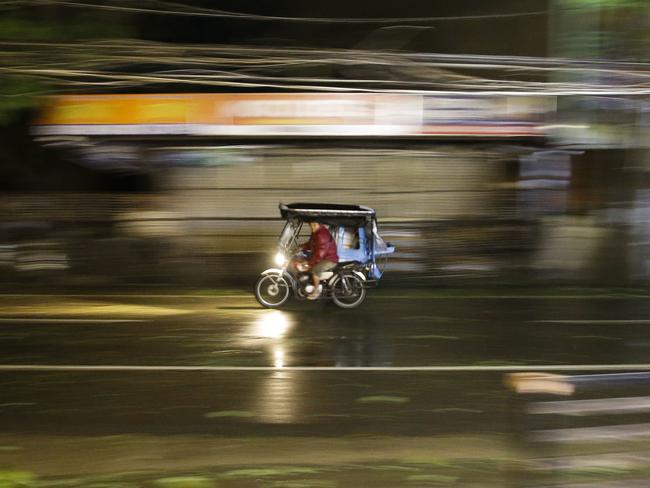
[(271, 291)]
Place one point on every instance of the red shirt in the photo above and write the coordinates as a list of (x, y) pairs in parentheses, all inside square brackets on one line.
[(322, 246)]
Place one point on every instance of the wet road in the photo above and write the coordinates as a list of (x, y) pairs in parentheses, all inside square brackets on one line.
[(387, 331), (310, 371)]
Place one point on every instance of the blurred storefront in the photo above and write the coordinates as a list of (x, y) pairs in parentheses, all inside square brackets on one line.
[(609, 131), (469, 188)]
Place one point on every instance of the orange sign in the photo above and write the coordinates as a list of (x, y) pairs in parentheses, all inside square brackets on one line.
[(311, 114)]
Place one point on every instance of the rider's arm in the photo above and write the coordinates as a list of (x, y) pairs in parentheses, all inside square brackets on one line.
[(319, 249)]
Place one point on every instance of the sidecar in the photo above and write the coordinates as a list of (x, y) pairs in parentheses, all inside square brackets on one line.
[(354, 228)]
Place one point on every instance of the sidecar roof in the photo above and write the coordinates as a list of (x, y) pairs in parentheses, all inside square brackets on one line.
[(326, 212)]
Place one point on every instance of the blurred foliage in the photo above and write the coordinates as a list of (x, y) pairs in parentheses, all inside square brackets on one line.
[(39, 25), (18, 94), (185, 482), (269, 472), (16, 479), (605, 29), (18, 29), (602, 3), (48, 25)]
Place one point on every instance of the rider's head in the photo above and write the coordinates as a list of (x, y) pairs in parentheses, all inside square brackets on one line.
[(314, 225)]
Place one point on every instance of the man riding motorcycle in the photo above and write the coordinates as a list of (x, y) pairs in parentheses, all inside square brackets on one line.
[(322, 255)]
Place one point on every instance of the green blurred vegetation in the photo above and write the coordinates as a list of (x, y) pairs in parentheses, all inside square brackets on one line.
[(18, 93), (20, 29), (17, 479), (602, 3), (185, 482), (607, 29), (36, 24)]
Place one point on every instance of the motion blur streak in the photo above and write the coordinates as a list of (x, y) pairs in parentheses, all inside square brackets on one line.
[(145, 149)]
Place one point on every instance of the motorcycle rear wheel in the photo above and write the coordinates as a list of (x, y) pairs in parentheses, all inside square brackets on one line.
[(348, 291)]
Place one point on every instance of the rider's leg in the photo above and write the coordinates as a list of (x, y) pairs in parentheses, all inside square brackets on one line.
[(316, 271), (315, 279)]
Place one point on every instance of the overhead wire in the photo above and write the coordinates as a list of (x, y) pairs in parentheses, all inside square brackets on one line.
[(126, 63), (192, 11)]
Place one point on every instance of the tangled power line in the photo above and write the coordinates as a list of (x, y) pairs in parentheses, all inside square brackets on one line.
[(124, 63), (159, 7)]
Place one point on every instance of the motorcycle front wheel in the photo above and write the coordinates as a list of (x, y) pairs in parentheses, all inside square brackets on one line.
[(271, 291), (348, 291)]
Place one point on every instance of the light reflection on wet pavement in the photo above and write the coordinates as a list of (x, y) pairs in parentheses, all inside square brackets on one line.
[(285, 403), (382, 333)]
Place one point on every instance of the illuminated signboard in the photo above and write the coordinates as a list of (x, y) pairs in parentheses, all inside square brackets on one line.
[(302, 114)]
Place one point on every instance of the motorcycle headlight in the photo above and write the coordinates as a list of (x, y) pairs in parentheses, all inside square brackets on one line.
[(280, 259)]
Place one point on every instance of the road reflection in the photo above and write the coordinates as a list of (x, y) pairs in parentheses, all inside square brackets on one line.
[(279, 399), (273, 324), (275, 402), (339, 340), (278, 354)]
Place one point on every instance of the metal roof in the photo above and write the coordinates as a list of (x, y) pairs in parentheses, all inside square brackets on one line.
[(325, 210)]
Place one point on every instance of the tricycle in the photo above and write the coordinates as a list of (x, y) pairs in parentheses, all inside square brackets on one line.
[(361, 252)]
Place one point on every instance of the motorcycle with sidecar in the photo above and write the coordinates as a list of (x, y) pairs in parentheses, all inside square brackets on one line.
[(362, 254)]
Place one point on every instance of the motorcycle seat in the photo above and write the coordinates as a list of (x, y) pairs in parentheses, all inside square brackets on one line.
[(347, 265)]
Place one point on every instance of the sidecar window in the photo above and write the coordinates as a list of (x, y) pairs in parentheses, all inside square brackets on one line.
[(351, 244), (350, 238)]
